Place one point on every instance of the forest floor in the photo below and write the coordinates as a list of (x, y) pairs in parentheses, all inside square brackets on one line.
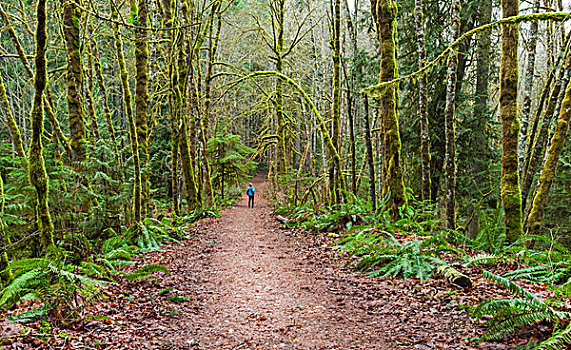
[(242, 282)]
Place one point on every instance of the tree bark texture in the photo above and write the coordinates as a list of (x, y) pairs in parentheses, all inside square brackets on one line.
[(76, 114), (12, 126), (528, 87), (538, 148), (385, 14), (370, 159), (422, 105), (36, 164), (127, 102), (142, 93), (449, 122), (510, 187), (535, 219)]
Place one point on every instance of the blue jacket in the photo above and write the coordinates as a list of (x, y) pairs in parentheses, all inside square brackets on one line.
[(250, 191)]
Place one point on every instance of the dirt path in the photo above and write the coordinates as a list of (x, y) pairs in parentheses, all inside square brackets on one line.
[(241, 282), (265, 294)]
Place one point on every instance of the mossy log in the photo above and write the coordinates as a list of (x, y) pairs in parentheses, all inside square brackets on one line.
[(454, 276)]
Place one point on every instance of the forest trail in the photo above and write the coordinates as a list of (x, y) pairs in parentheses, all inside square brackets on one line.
[(267, 295), (242, 282)]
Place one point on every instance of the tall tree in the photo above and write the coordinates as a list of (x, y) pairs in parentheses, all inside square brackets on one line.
[(422, 104), (510, 188), (140, 12), (547, 177), (385, 16), (76, 113), (127, 102), (36, 164), (336, 103), (528, 87)]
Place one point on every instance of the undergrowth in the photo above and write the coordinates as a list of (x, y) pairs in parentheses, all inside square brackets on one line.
[(414, 244)]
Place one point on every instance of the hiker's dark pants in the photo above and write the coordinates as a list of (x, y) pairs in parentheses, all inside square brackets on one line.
[(250, 201)]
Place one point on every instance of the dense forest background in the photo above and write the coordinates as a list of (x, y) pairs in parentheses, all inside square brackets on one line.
[(116, 114)]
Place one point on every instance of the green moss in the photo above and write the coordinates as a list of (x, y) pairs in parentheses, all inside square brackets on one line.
[(36, 165), (129, 112), (376, 90)]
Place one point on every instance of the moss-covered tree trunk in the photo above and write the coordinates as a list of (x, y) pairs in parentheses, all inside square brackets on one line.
[(141, 13), (370, 157), (528, 87), (334, 176), (278, 23), (175, 40), (12, 126), (182, 110), (535, 218), (36, 164), (422, 105), (449, 122), (509, 76), (93, 124), (127, 101), (5, 274), (385, 14), (76, 114), (47, 96), (538, 148)]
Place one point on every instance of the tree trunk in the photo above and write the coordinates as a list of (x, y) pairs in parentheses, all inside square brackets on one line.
[(370, 160), (538, 149), (127, 102), (535, 219), (528, 87), (5, 274), (336, 113), (12, 126), (384, 13), (449, 122), (141, 13), (422, 105), (103, 92), (510, 188), (77, 129), (36, 164)]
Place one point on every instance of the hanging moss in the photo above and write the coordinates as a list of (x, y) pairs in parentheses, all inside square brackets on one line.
[(36, 164), (377, 90), (510, 188)]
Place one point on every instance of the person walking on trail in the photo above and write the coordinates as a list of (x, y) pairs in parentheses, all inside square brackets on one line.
[(250, 192)]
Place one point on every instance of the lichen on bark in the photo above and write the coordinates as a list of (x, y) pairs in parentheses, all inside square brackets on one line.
[(535, 218), (36, 164), (510, 187), (384, 13)]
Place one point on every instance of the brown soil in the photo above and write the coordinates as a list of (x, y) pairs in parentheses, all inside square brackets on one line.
[(242, 282)]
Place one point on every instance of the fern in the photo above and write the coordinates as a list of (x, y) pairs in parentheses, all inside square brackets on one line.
[(485, 259), (144, 272), (559, 340), (508, 315)]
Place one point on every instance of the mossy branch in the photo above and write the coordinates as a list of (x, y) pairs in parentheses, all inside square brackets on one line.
[(376, 90)]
